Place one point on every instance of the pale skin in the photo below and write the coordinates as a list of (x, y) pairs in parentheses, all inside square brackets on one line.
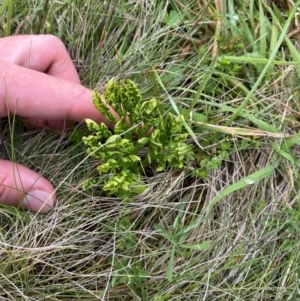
[(39, 82)]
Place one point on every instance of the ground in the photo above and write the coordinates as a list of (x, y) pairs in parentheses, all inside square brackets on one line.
[(229, 233)]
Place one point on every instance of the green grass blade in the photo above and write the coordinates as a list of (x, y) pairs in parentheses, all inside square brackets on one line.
[(171, 264), (9, 17), (232, 14), (203, 84), (274, 36), (294, 53), (3, 7), (197, 247), (276, 24), (249, 180), (247, 115), (257, 60), (175, 108), (262, 31), (269, 63)]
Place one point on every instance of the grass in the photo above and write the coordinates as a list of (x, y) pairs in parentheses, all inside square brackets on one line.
[(230, 234)]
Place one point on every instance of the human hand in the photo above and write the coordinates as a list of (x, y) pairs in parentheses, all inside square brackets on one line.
[(39, 82)]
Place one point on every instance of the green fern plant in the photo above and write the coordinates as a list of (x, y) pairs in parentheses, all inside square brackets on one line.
[(121, 166)]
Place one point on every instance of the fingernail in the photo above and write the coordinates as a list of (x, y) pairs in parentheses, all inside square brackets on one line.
[(38, 201)]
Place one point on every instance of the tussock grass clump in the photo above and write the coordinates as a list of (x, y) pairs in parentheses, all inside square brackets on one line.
[(231, 68)]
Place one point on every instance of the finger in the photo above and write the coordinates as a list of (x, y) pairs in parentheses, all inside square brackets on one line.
[(32, 94), (43, 53), (56, 125), (22, 187)]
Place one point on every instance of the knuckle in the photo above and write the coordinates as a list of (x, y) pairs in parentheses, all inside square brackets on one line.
[(52, 39), (52, 43)]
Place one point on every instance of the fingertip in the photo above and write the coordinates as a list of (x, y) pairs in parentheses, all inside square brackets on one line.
[(23, 188), (38, 201)]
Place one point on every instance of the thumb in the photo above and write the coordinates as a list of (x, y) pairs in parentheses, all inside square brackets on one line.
[(22, 187)]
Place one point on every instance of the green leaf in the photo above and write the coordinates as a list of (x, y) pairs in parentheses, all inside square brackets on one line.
[(281, 149), (294, 53), (261, 124), (143, 141), (133, 158), (120, 126), (121, 167), (197, 247), (125, 98), (287, 156), (161, 231), (172, 18), (154, 141), (92, 125), (109, 165), (101, 130), (295, 140), (102, 108), (138, 188), (195, 115), (149, 111), (171, 264)]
